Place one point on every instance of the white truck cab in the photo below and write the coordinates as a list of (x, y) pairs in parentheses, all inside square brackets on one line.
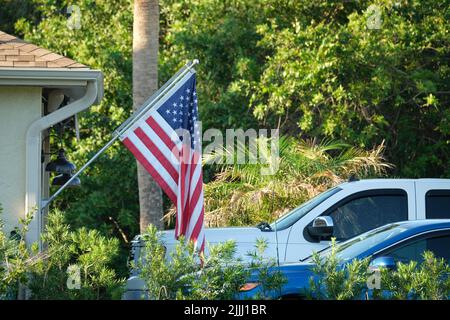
[(344, 211)]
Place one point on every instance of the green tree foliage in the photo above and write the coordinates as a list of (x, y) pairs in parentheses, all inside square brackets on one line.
[(241, 195), (222, 36), (269, 278), (318, 68), (332, 282), (182, 276), (14, 259), (108, 200), (425, 280), (47, 273), (13, 10), (417, 280), (331, 75), (85, 250)]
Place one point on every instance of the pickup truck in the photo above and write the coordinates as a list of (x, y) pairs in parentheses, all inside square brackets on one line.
[(343, 212)]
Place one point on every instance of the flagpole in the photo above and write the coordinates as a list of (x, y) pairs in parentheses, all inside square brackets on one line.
[(149, 103)]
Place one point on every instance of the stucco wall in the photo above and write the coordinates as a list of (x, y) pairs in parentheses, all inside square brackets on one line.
[(19, 107)]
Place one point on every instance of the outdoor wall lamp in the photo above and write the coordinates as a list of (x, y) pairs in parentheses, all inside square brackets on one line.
[(64, 168), (63, 178), (60, 164)]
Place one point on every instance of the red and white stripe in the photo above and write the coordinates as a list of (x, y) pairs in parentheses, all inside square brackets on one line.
[(175, 166)]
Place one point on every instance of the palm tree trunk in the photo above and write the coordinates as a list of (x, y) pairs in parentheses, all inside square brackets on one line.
[(145, 82)]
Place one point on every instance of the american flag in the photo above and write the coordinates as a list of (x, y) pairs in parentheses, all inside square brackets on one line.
[(166, 141)]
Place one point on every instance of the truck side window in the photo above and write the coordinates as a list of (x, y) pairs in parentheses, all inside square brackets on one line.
[(437, 204), (366, 212)]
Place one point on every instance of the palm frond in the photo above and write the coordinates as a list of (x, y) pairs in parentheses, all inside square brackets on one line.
[(240, 195)]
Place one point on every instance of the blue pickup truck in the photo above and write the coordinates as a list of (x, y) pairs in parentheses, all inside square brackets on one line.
[(385, 246)]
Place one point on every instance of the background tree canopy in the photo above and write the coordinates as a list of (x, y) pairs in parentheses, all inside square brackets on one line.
[(312, 68), (317, 70)]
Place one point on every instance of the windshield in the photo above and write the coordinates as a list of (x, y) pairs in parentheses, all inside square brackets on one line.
[(351, 248), (289, 219)]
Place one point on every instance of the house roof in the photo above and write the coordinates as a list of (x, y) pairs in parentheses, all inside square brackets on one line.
[(17, 53)]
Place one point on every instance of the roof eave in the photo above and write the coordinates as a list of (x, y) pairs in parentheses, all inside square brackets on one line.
[(51, 78)]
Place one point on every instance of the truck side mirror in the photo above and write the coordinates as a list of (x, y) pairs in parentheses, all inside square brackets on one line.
[(321, 228)]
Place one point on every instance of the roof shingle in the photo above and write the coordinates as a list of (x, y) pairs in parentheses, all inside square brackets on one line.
[(16, 53)]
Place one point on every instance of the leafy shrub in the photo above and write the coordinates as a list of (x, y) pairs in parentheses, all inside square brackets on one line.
[(14, 260), (336, 283), (187, 275), (269, 279), (428, 280), (220, 277), (87, 251), (46, 274)]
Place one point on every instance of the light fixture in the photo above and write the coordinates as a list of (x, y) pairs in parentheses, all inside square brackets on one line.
[(61, 164), (64, 168), (63, 178)]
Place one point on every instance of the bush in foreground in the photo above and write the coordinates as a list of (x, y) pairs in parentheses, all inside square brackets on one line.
[(426, 280), (73, 264), (186, 274)]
